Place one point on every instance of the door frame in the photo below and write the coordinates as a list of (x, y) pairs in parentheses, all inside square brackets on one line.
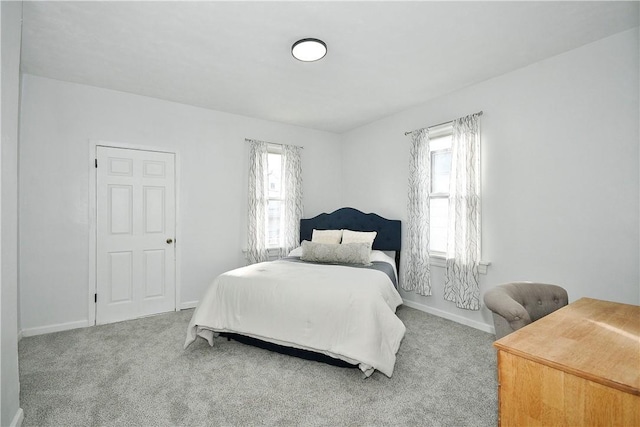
[(93, 218)]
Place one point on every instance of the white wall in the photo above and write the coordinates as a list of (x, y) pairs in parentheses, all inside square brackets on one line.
[(10, 412), (59, 119), (559, 173), (560, 179)]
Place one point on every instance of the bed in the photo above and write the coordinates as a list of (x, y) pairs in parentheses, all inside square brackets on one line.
[(343, 311)]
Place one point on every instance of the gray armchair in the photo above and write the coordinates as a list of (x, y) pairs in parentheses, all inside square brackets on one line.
[(517, 304)]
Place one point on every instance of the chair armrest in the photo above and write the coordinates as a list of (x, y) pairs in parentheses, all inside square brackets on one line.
[(501, 303)]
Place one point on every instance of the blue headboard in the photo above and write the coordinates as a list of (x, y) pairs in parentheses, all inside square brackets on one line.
[(389, 231)]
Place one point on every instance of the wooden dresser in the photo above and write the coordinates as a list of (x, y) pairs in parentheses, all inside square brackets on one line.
[(579, 366)]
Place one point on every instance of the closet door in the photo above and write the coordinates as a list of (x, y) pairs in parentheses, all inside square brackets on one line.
[(135, 233)]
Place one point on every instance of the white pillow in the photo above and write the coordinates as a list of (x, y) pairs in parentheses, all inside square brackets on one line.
[(296, 252), (381, 256), (326, 236), (349, 236)]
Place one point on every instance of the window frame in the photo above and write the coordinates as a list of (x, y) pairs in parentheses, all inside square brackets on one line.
[(274, 149), (437, 132)]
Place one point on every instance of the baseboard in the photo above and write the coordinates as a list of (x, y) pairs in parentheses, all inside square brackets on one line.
[(29, 332), (17, 420), (189, 304), (41, 330), (458, 319)]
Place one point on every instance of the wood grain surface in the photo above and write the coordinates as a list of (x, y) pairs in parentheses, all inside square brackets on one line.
[(578, 366)]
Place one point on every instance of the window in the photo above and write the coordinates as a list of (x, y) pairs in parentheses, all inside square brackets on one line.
[(440, 155), (275, 198)]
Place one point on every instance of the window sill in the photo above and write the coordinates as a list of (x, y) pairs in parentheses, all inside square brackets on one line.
[(441, 261), (272, 253)]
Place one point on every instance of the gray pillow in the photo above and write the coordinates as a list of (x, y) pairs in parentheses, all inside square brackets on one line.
[(346, 253)]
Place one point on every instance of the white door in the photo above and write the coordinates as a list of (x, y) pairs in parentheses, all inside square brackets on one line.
[(135, 233)]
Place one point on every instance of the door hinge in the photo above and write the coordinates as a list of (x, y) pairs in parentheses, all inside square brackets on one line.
[(95, 298), (96, 163)]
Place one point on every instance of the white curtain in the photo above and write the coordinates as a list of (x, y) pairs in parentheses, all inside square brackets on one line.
[(291, 211), (292, 205), (463, 234), (417, 271), (257, 211)]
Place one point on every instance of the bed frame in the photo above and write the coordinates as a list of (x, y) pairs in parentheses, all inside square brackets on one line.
[(389, 237)]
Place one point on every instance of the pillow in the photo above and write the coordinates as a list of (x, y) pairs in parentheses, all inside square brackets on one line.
[(346, 253), (326, 236), (349, 236), (296, 252), (381, 256)]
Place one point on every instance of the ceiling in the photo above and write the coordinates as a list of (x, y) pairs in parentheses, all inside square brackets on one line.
[(383, 57)]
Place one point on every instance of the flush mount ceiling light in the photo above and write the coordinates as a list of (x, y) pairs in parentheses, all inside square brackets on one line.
[(309, 50)]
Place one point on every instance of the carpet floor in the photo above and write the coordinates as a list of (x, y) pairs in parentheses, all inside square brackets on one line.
[(136, 373)]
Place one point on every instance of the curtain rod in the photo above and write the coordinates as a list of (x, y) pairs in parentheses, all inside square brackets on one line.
[(443, 123), (273, 143)]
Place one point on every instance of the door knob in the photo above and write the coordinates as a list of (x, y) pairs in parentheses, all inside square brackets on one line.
[(169, 240)]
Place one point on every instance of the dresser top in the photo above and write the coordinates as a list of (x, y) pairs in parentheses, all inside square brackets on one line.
[(593, 339)]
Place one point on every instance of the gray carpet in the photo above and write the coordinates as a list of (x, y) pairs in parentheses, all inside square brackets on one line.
[(136, 373)]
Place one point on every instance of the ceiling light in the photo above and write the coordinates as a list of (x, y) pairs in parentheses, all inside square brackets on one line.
[(309, 50)]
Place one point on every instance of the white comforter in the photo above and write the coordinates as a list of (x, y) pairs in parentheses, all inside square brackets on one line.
[(345, 312)]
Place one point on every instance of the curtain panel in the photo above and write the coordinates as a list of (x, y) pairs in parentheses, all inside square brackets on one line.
[(257, 203), (463, 232), (417, 269), (292, 207)]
